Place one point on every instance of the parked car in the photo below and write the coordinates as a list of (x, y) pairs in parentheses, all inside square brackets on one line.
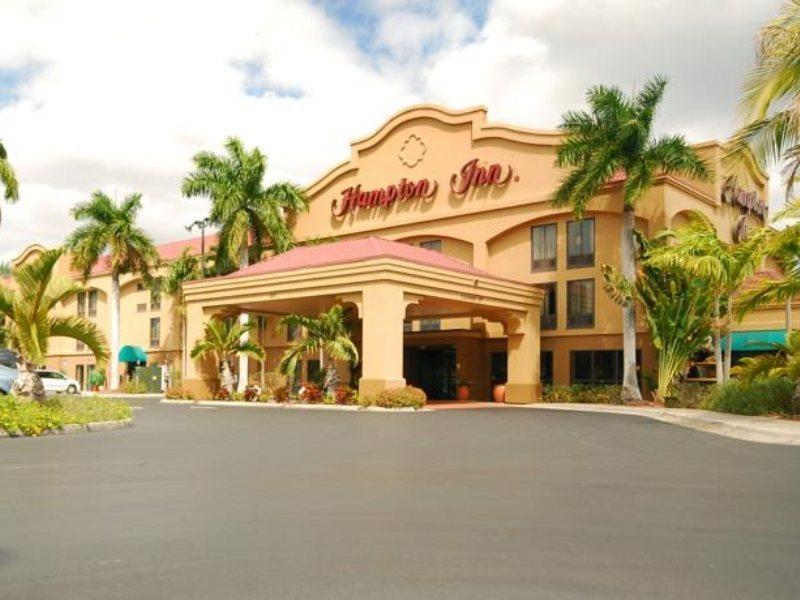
[(7, 377), (55, 382)]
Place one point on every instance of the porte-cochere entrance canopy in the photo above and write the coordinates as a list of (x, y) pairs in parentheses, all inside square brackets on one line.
[(386, 282)]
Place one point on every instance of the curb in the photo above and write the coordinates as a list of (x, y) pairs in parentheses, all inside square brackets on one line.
[(761, 430), (77, 428), (292, 406)]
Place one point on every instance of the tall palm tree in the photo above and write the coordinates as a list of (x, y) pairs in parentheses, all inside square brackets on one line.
[(676, 306), (328, 335), (8, 178), (222, 339), (29, 323), (616, 137), (108, 227), (722, 267), (184, 268), (771, 99), (249, 215)]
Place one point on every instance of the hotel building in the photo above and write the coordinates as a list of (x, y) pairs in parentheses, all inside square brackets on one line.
[(437, 232)]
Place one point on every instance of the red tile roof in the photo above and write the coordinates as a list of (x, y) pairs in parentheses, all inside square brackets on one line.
[(356, 250), (168, 252)]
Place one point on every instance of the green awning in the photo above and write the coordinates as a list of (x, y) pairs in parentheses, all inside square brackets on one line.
[(132, 354), (756, 341)]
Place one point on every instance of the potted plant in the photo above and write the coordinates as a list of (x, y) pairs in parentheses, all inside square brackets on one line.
[(97, 379), (463, 390), (499, 391)]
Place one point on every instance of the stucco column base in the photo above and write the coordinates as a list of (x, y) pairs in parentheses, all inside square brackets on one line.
[(368, 387), (523, 393)]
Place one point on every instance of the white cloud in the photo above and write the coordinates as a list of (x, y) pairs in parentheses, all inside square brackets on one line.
[(120, 95)]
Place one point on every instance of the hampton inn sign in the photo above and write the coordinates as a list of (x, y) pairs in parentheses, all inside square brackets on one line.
[(471, 176)]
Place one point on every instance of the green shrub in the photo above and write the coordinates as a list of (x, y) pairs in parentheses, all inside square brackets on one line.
[(177, 393), (407, 397), (583, 394), (689, 394), (759, 397), (33, 418), (133, 387)]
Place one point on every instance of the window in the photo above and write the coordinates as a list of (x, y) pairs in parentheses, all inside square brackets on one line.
[(155, 295), (79, 374), (141, 307), (92, 303), (543, 247), (407, 327), (580, 243), (548, 319), (597, 366), (292, 332), (546, 367), (580, 303), (312, 368), (262, 328), (155, 332), (81, 304), (435, 245), (430, 324), (140, 287)]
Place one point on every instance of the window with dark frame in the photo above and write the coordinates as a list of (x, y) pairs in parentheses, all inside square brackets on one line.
[(435, 245), (155, 332), (580, 303), (81, 299), (543, 247), (548, 318), (546, 367), (92, 303), (292, 332), (155, 295), (580, 243), (598, 367), (430, 324)]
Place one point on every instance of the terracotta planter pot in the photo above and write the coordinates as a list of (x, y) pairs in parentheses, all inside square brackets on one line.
[(462, 392), (499, 392)]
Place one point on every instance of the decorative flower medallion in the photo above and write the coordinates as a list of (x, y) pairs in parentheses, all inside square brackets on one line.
[(412, 151)]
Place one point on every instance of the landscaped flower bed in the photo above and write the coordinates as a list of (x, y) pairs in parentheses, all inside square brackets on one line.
[(23, 417)]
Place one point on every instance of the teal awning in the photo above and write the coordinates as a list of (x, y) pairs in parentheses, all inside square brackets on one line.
[(755, 341), (132, 354)]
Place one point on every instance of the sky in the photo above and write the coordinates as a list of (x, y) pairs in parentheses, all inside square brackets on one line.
[(119, 95)]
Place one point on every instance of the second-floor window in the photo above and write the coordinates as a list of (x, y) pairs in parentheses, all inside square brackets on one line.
[(435, 245), (92, 303), (580, 243), (155, 295), (580, 303), (430, 324), (543, 247), (548, 315), (81, 298), (155, 332), (292, 332)]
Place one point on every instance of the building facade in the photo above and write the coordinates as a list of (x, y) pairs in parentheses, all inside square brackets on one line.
[(518, 299)]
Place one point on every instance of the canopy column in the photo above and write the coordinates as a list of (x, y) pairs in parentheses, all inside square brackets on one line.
[(524, 385), (383, 309)]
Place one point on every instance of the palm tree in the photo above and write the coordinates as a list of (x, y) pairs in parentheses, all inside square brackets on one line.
[(184, 268), (223, 339), (676, 306), (8, 178), (249, 216), (29, 324), (784, 361), (771, 99), (722, 267), (107, 227), (328, 335), (616, 137)]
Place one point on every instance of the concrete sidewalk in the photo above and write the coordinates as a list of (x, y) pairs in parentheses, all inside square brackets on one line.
[(765, 430)]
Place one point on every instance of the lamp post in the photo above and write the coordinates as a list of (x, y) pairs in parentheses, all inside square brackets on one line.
[(201, 224)]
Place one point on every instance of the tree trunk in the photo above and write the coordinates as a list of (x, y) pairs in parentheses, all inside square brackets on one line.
[(788, 316), (113, 382), (244, 364), (728, 344), (28, 384), (717, 343), (630, 383), (331, 375), (225, 376)]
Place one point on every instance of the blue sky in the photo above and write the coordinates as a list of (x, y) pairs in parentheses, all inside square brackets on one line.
[(119, 95)]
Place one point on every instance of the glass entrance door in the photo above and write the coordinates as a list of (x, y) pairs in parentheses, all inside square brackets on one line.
[(432, 368)]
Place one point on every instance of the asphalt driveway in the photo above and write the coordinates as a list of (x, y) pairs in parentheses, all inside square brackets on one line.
[(225, 504)]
